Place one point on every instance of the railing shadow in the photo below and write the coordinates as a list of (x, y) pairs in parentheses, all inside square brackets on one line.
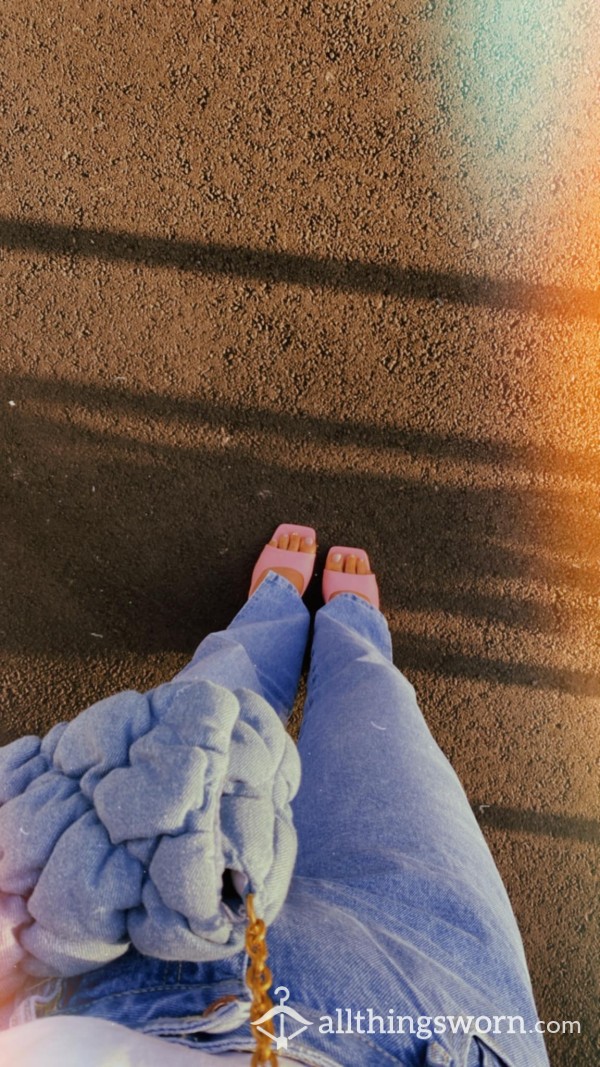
[(344, 275), (146, 536), (125, 404), (544, 823)]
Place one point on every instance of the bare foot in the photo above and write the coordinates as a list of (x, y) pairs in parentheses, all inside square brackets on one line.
[(349, 564), (291, 543)]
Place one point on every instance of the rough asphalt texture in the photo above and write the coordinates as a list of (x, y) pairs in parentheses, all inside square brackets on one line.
[(338, 264)]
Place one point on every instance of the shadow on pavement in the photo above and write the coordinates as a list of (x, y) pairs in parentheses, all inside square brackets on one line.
[(132, 523), (279, 267), (537, 822)]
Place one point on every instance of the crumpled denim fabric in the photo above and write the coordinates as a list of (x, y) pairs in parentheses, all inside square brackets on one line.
[(116, 829), (395, 903)]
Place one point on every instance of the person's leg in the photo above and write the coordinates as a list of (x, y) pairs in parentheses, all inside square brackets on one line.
[(263, 648), (379, 806)]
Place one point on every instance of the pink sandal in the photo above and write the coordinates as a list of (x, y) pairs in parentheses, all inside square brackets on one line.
[(272, 557), (340, 582)]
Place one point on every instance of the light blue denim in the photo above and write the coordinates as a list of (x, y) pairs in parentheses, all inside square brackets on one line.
[(395, 903)]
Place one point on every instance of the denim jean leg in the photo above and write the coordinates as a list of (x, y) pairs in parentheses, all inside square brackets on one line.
[(379, 804), (262, 649)]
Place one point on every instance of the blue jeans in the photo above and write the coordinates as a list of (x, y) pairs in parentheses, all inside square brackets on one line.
[(396, 908)]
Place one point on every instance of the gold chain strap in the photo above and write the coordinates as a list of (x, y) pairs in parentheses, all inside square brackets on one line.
[(258, 979)]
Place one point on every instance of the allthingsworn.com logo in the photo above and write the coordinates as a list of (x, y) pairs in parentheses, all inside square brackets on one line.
[(424, 1027)]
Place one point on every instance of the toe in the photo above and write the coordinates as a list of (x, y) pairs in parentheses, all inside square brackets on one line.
[(294, 544), (362, 566), (335, 562), (307, 544), (284, 540), (350, 566)]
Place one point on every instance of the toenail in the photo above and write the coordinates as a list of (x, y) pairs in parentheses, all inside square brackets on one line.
[(309, 540), (336, 557)]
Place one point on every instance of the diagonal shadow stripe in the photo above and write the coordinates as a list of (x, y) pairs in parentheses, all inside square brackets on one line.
[(530, 457), (537, 822), (346, 275), (419, 654)]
